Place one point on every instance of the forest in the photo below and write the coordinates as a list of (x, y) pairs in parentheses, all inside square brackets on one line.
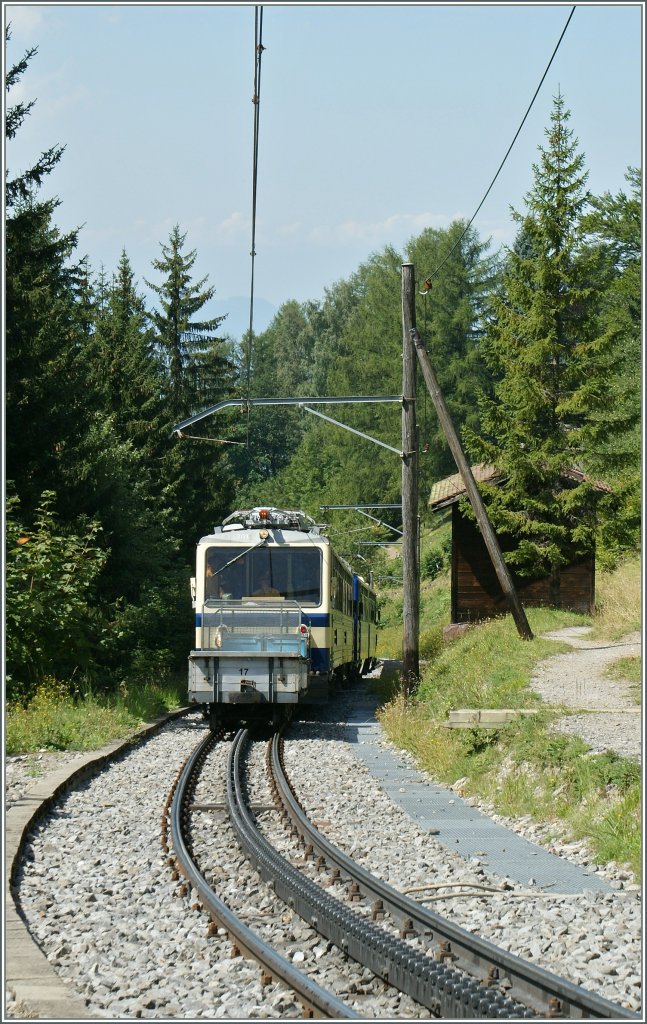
[(536, 348)]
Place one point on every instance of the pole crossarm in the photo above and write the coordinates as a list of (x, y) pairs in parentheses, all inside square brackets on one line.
[(379, 521), (352, 430), (247, 403), (326, 508), (379, 543)]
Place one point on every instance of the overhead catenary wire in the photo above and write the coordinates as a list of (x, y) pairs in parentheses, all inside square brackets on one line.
[(256, 100), (199, 437), (258, 52), (428, 281)]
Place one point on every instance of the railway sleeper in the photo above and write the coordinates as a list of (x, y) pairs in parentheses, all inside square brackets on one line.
[(388, 956), (538, 1002), (428, 982)]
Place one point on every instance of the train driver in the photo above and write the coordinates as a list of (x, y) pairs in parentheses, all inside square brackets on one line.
[(265, 588), (216, 584)]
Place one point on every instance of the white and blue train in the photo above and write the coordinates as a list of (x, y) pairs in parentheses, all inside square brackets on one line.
[(281, 619)]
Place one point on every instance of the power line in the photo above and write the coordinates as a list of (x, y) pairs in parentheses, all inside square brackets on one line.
[(256, 100), (458, 242)]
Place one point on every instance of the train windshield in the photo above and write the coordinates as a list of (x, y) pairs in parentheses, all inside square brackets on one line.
[(236, 572)]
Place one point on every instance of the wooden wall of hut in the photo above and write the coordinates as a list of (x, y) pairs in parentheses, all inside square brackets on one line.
[(476, 593)]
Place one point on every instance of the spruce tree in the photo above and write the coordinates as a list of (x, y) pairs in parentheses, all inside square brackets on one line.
[(546, 350), (45, 390), (451, 318), (196, 373), (183, 342), (126, 369), (87, 443), (614, 432)]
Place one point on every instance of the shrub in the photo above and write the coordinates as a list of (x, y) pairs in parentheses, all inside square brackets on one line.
[(49, 574), (436, 559), (431, 643)]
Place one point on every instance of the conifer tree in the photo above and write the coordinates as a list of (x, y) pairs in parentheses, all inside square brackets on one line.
[(546, 350), (46, 408), (451, 318), (183, 341), (126, 369), (86, 443), (196, 372), (614, 433)]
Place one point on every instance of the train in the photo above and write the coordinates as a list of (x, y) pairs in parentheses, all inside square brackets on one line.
[(281, 619)]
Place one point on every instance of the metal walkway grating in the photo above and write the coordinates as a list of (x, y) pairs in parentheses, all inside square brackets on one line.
[(459, 826)]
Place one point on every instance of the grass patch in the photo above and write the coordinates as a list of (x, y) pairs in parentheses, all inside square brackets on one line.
[(435, 559), (618, 601), (490, 666), (627, 669), (615, 831), (525, 768), (434, 613), (55, 720)]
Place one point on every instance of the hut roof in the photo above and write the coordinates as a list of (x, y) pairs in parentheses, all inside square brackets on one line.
[(451, 489)]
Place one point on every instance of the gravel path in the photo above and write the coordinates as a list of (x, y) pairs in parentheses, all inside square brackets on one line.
[(608, 717)]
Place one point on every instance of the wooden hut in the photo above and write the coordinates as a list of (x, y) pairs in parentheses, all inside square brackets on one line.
[(475, 590)]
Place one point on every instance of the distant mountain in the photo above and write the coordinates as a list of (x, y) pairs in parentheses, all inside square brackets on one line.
[(237, 310)]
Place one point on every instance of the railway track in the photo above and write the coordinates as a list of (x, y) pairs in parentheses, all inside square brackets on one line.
[(314, 998), (441, 966)]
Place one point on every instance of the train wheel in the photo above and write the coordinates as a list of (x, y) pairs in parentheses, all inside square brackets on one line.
[(220, 718), (281, 715)]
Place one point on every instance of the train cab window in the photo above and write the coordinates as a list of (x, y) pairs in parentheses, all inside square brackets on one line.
[(232, 573), (223, 582)]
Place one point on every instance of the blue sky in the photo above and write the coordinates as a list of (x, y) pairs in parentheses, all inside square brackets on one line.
[(376, 121)]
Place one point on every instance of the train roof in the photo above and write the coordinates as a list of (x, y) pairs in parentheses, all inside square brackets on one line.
[(294, 524), (291, 519)]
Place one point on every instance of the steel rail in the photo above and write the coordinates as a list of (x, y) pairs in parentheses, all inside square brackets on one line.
[(542, 991), (434, 983), (317, 999)]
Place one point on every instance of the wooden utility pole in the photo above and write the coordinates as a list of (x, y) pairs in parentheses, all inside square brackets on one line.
[(410, 545), (473, 494)]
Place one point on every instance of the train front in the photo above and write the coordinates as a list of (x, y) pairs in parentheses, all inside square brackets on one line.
[(256, 577)]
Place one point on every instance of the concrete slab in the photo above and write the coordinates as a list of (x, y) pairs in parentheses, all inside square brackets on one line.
[(48, 1003), (484, 718)]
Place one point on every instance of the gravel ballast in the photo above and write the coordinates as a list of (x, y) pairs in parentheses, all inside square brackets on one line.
[(592, 938), (98, 895)]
